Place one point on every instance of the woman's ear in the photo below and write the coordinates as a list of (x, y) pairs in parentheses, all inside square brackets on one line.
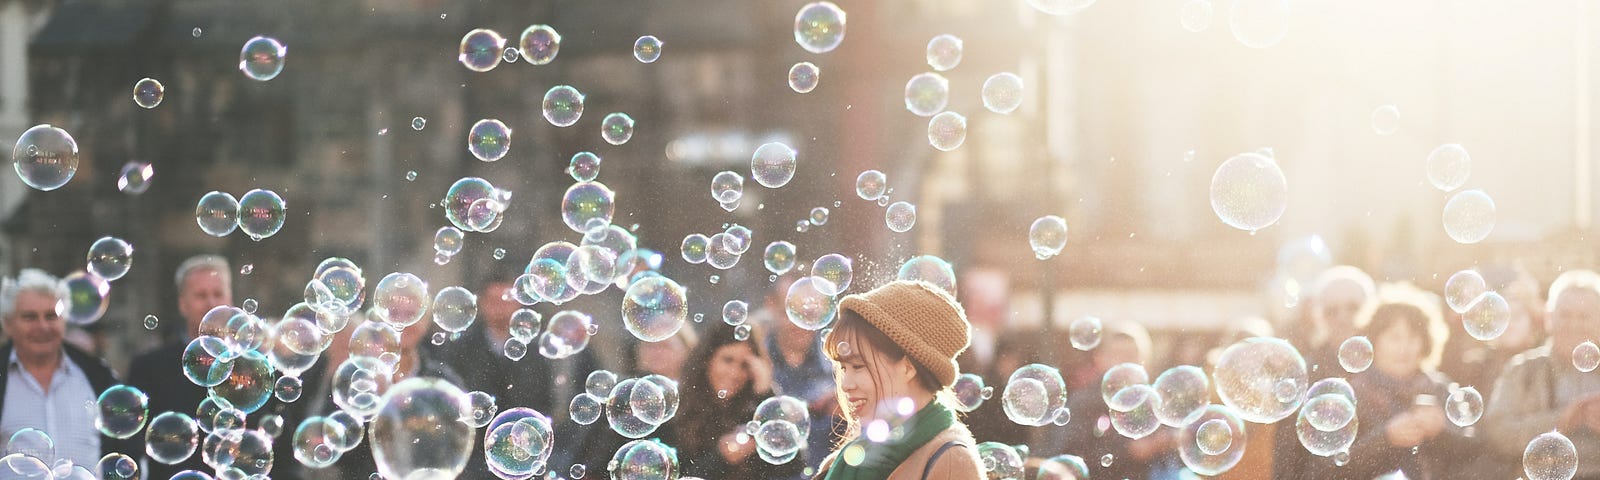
[(908, 370)]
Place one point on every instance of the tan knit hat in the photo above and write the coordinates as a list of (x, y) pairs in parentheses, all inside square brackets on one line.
[(922, 319)]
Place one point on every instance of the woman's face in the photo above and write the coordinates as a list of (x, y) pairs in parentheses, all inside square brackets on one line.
[(1397, 351), (665, 357), (869, 381), (730, 368)]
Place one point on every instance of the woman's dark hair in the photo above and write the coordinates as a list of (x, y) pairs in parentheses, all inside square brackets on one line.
[(702, 417), (1416, 320)]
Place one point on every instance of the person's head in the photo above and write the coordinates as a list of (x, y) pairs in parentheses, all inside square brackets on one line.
[(898, 341), (28, 305), (1406, 329), (1521, 292), (665, 357), (720, 364), (1338, 295), (1572, 312), (204, 282), (1121, 342), (495, 303)]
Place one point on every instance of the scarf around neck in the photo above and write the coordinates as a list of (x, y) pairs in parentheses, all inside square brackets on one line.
[(876, 460)]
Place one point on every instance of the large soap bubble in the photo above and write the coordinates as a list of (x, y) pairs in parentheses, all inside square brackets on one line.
[(1249, 192), (45, 157), (419, 433), (1213, 443), (1261, 379), (1034, 394), (654, 308)]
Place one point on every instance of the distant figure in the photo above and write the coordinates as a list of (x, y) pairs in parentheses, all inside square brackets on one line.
[(800, 369), (1328, 317), (723, 381), (1475, 362), (1089, 434), (46, 382), (894, 353), (204, 282), (1541, 389)]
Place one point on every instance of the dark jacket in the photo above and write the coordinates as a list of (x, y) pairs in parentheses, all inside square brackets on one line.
[(101, 377), (159, 374)]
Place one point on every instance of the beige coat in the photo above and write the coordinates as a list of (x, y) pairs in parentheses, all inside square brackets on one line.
[(957, 463)]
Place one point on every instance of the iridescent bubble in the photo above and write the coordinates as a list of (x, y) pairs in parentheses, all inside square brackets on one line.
[(45, 157), (288, 389), (261, 59), (585, 166), (447, 240), (1000, 460), (654, 308), (947, 131), (587, 206), (1214, 436), (819, 216), (540, 44), (645, 459), (968, 389), (1120, 377), (578, 470), (779, 257), (1063, 467), (647, 49), (567, 334), (1185, 393), (84, 298), (819, 27), (1196, 15), (481, 408), (735, 312), (927, 94), (1355, 354), (454, 309), (171, 438), (151, 322), (931, 269), (462, 195), (135, 178), (249, 384), (727, 186), (261, 213), (1033, 395), (695, 247), (200, 366), (654, 399), (1329, 412), (400, 299), (1249, 192), (616, 128), (1469, 216), (1085, 333), (148, 92), (1487, 317), (808, 305), (481, 50), (489, 140), (742, 332), (563, 105), (121, 411), (1449, 166), (620, 414), (782, 425), (316, 441), (1550, 456), (116, 466), (550, 280), (586, 408), (1214, 443), (900, 217), (510, 54), (804, 76), (834, 268), (217, 213), (1463, 288), (944, 52), (1047, 236), (1259, 23), (1586, 356), (518, 443), (417, 123), (591, 268), (1464, 406), (1060, 7), (871, 184), (110, 258), (1002, 92), (418, 432), (357, 383), (1385, 120), (1136, 416), (773, 165), (1249, 372)]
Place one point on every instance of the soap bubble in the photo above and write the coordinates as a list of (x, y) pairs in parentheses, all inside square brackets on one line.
[(418, 432), (1550, 456), (1469, 216), (620, 412), (1464, 406), (171, 438), (1355, 354), (779, 257), (563, 105), (782, 424), (288, 389), (1085, 333), (1047, 236), (736, 311), (819, 216), (518, 443), (727, 186), (1135, 416), (900, 217), (927, 94), (249, 384), (316, 441), (944, 52), (481, 50), (1249, 191), (1033, 395), (121, 411), (1063, 467), (773, 164), (84, 298), (871, 185), (654, 308), (489, 140), (1002, 92), (695, 248), (45, 157), (135, 178), (834, 268), (1000, 460), (117, 466), (586, 408), (454, 309), (110, 258), (804, 76), (1060, 7), (540, 44), (1214, 443), (1463, 288), (1250, 372), (447, 240), (1449, 166), (587, 206), (1586, 356), (261, 213), (462, 195), (148, 92), (647, 49), (567, 334), (200, 366), (1119, 377), (261, 59), (808, 305), (931, 269), (645, 459), (585, 166), (217, 213), (1214, 436), (1185, 393), (1488, 317), (400, 299), (1259, 23), (1385, 120), (358, 383), (968, 389), (1327, 424), (947, 131), (1196, 15), (819, 27), (654, 399), (616, 128)]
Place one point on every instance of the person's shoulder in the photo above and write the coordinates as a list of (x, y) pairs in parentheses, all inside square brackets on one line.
[(169, 352)]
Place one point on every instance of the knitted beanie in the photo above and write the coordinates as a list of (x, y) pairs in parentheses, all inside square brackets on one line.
[(922, 319)]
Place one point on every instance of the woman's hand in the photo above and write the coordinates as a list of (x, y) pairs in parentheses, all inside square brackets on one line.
[(760, 373), (1412, 427), (734, 452)]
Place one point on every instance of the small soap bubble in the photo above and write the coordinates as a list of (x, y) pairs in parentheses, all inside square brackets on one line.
[(804, 77), (647, 49)]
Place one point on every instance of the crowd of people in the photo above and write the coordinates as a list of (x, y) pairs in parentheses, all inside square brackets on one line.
[(1420, 354)]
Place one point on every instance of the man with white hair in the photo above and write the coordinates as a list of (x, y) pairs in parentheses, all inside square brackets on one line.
[(204, 282), (46, 382)]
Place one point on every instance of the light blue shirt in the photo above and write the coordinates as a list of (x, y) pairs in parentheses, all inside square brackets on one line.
[(65, 412)]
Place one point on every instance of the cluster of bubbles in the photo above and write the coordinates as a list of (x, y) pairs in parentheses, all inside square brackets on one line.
[(259, 213), (1000, 460), (473, 204), (518, 443), (780, 428), (1327, 423), (1035, 395), (633, 407)]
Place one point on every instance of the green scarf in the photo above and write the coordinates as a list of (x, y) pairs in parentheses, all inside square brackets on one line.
[(883, 458)]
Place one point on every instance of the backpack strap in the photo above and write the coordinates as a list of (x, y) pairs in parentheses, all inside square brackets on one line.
[(936, 453)]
